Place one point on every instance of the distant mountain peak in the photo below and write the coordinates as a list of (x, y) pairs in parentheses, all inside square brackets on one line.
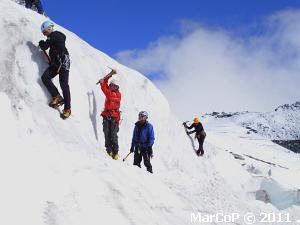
[(294, 106)]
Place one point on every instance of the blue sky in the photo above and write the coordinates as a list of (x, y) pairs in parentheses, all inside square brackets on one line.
[(204, 56), (117, 25)]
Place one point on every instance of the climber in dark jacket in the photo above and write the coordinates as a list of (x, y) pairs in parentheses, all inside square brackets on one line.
[(59, 64), (37, 4), (200, 134), (142, 141)]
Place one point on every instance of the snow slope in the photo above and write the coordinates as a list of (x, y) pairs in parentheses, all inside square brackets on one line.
[(56, 172)]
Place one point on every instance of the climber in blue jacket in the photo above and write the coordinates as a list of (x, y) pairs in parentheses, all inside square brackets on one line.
[(142, 141)]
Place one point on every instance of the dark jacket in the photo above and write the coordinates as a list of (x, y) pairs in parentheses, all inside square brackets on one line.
[(56, 42), (198, 128), (143, 136)]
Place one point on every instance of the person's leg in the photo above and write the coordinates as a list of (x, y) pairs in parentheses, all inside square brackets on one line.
[(137, 159), (114, 136), (64, 84), (39, 7), (28, 4), (106, 131), (199, 148), (147, 162), (201, 141), (47, 76)]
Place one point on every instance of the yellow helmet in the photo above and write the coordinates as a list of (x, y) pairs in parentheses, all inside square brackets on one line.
[(196, 120)]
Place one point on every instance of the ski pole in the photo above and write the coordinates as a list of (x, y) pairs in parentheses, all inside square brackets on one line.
[(126, 156)]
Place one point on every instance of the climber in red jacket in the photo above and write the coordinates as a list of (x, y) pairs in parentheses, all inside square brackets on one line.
[(111, 114)]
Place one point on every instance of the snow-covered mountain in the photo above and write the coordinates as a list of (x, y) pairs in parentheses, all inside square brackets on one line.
[(56, 172), (282, 126)]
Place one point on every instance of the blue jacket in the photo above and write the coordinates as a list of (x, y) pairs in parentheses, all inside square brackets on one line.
[(143, 135)]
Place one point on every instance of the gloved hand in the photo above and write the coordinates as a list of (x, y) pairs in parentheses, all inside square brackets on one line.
[(101, 81), (150, 151), (42, 44), (132, 149)]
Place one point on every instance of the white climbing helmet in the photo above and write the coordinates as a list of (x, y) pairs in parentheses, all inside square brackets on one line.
[(47, 25), (115, 82), (143, 114)]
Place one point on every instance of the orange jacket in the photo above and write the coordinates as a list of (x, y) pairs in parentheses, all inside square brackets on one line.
[(112, 101)]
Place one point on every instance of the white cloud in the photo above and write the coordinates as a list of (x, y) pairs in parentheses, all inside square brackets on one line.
[(212, 70)]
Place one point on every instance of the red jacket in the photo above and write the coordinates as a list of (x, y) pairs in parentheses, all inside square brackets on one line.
[(112, 101)]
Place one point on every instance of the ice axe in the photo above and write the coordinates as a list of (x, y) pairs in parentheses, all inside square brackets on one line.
[(47, 56), (185, 126), (126, 156), (49, 61), (184, 123), (112, 72)]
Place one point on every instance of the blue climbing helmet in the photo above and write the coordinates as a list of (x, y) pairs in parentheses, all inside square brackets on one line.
[(47, 24)]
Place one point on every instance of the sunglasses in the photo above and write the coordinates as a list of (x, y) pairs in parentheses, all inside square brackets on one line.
[(114, 86), (45, 32)]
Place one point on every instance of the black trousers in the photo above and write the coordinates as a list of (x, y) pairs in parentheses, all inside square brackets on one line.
[(111, 129), (138, 156), (200, 139), (47, 77)]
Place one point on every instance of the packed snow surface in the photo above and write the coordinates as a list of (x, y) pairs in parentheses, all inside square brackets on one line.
[(57, 172)]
